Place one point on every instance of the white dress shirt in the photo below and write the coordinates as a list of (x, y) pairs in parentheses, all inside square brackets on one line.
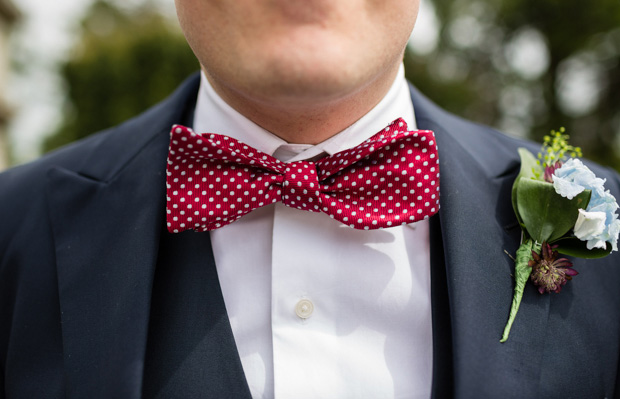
[(319, 309)]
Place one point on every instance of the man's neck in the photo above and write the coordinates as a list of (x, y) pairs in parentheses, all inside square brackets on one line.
[(309, 122)]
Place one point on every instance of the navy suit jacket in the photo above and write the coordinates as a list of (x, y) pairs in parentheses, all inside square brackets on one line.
[(79, 236)]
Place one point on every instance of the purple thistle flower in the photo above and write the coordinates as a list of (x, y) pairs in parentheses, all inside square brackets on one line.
[(548, 272)]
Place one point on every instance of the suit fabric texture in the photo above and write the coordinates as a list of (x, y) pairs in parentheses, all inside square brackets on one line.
[(97, 300)]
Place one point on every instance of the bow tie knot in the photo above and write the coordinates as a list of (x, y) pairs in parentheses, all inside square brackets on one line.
[(388, 180), (301, 186)]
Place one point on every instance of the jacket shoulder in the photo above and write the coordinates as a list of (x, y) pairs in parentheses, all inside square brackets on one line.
[(486, 146), (99, 156)]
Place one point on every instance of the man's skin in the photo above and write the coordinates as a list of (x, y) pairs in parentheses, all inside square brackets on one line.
[(304, 69)]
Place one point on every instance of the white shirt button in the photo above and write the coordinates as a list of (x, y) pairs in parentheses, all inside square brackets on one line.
[(304, 308)]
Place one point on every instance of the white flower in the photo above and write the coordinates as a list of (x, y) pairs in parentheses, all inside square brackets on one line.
[(589, 226), (573, 178)]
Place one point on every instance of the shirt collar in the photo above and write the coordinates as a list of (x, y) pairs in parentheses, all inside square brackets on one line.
[(214, 115)]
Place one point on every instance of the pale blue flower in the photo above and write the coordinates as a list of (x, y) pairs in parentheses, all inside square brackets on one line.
[(574, 177)]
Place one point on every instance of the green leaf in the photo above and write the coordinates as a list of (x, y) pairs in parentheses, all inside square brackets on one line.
[(547, 216), (528, 166), (573, 246)]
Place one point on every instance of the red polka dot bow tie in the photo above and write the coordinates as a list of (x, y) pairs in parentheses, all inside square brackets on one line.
[(390, 179)]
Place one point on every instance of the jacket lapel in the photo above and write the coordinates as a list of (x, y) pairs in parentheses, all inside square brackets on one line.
[(106, 249), (477, 225), (442, 384), (191, 351)]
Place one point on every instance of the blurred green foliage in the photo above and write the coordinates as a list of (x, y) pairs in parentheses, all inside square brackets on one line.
[(126, 61), (529, 66)]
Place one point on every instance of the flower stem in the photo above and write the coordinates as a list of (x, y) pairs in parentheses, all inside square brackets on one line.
[(522, 274)]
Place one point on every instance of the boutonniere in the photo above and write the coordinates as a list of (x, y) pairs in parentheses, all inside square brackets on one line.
[(563, 208)]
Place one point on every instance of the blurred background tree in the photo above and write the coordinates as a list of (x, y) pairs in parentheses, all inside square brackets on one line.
[(528, 66), (523, 66), (126, 60)]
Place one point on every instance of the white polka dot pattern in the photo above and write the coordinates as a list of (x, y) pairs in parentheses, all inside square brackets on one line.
[(390, 179)]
